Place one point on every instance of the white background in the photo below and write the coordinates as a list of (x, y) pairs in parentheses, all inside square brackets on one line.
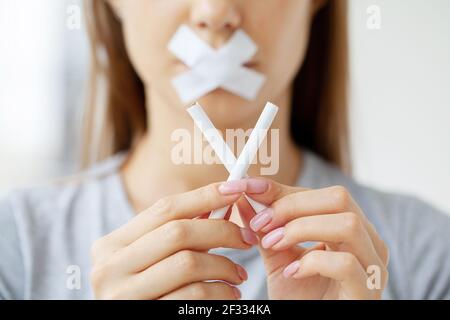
[(400, 99)]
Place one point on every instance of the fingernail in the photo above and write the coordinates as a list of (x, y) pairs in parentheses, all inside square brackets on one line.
[(232, 187), (242, 273), (291, 269), (261, 219), (256, 186), (249, 237), (272, 238), (237, 293)]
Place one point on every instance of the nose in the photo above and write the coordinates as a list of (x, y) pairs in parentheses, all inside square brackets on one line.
[(215, 15)]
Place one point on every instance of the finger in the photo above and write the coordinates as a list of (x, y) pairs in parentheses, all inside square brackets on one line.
[(316, 246), (205, 291), (187, 205), (183, 268), (315, 202), (274, 260), (345, 230), (177, 235), (268, 191), (308, 203), (340, 266), (246, 211)]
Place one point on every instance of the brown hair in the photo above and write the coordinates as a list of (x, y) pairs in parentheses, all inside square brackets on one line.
[(319, 106)]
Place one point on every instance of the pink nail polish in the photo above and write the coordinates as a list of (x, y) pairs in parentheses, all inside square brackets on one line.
[(256, 186), (242, 273), (232, 187), (249, 237), (272, 238), (261, 219), (291, 269)]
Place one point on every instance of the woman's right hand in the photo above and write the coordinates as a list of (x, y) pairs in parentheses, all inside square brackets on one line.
[(162, 253)]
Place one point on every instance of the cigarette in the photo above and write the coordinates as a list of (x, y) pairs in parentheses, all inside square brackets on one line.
[(255, 140), (216, 141), (213, 136)]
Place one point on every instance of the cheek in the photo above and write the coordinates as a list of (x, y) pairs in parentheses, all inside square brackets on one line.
[(283, 40), (148, 28)]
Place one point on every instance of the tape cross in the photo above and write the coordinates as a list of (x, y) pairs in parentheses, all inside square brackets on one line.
[(211, 69)]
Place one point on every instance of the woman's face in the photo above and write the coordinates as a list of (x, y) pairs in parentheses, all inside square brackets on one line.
[(280, 28)]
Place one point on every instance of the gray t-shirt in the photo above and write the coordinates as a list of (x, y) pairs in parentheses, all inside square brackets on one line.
[(46, 234)]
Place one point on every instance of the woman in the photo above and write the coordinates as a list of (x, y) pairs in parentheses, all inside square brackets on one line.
[(135, 211)]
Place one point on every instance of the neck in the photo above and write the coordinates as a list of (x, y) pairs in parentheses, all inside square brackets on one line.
[(150, 172)]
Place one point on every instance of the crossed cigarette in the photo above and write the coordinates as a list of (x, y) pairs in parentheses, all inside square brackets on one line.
[(236, 167)]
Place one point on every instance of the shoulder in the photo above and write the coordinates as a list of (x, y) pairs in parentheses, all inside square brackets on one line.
[(45, 228), (384, 208), (45, 204)]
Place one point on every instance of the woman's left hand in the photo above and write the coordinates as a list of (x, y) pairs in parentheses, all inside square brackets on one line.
[(349, 260)]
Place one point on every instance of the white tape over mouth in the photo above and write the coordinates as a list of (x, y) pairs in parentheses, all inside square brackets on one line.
[(212, 69)]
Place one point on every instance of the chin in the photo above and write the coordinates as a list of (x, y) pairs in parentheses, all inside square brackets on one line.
[(227, 110)]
